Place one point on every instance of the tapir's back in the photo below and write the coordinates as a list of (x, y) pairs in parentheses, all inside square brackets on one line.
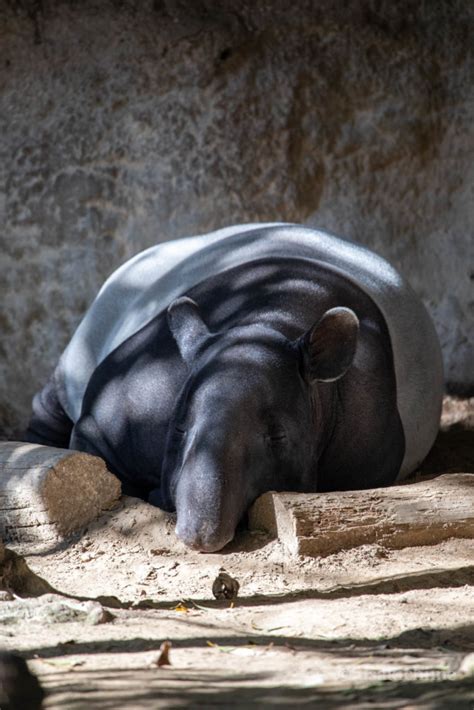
[(145, 285)]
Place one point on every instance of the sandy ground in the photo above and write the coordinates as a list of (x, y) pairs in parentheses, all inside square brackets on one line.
[(368, 627)]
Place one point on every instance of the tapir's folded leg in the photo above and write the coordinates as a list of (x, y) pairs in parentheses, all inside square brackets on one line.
[(49, 423)]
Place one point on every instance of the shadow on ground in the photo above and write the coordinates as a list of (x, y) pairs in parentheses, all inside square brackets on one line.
[(460, 638), (156, 688), (452, 452)]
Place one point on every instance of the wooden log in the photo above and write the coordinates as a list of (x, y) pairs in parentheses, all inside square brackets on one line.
[(47, 493), (320, 524)]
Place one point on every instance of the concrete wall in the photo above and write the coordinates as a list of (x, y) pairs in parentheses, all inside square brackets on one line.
[(126, 123)]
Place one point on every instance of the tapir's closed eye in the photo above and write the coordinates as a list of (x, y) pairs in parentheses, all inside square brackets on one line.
[(179, 431), (276, 439)]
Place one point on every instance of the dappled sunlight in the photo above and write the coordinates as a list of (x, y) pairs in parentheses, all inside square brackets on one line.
[(147, 691), (206, 670)]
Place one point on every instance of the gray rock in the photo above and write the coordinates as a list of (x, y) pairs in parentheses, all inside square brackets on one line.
[(53, 609), (124, 124)]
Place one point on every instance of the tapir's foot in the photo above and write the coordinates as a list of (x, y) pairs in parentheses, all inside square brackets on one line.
[(49, 424), (48, 430)]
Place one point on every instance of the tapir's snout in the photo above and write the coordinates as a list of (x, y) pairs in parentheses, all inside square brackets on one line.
[(202, 536), (208, 491)]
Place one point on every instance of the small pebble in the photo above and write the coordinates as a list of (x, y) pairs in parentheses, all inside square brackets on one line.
[(6, 596), (225, 586)]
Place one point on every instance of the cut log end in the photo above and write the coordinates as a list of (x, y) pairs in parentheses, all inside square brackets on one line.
[(77, 490), (47, 493)]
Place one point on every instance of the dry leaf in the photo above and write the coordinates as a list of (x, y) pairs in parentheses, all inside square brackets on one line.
[(164, 659), (181, 608)]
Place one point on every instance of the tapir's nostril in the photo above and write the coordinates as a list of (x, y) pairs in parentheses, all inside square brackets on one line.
[(201, 540)]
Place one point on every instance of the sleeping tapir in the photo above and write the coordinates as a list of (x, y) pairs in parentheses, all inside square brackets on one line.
[(261, 357)]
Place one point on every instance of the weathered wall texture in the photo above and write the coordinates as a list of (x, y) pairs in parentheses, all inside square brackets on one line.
[(126, 123)]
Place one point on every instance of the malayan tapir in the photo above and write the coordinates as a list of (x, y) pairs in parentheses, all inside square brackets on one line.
[(260, 357)]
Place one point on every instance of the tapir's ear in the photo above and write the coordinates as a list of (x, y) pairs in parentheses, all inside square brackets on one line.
[(187, 327), (329, 346)]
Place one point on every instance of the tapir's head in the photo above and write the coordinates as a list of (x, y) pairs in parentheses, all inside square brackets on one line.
[(246, 420)]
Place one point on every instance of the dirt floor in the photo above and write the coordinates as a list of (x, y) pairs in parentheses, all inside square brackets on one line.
[(364, 628)]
